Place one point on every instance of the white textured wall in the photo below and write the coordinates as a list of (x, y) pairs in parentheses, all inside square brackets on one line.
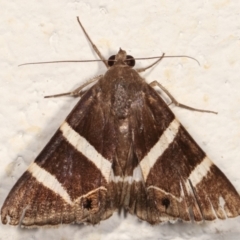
[(47, 30)]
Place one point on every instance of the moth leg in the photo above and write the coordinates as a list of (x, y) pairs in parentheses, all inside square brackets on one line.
[(174, 101), (145, 68), (78, 91), (93, 45)]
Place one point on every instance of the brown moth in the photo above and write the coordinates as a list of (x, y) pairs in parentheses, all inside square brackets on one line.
[(121, 147)]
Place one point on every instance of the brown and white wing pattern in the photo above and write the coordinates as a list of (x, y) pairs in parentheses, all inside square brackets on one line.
[(70, 179), (178, 180), (120, 147)]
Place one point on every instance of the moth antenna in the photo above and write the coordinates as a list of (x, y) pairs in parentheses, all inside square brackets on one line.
[(99, 60), (180, 56), (93, 45), (151, 65), (61, 61)]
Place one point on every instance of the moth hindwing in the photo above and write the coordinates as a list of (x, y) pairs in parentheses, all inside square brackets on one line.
[(120, 147)]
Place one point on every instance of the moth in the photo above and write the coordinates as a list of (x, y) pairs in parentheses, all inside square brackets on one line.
[(121, 147)]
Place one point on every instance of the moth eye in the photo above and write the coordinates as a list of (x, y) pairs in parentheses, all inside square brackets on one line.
[(130, 61), (165, 202), (111, 61)]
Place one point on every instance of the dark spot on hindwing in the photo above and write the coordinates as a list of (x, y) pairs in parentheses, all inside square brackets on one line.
[(87, 203), (165, 202)]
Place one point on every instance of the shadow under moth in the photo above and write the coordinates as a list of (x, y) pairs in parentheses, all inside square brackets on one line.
[(121, 147)]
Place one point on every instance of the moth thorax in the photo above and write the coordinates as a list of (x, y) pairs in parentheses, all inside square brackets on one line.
[(121, 102)]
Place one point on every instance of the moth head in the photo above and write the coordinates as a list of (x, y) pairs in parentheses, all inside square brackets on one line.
[(121, 58)]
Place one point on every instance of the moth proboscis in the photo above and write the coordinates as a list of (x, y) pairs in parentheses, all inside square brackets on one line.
[(120, 147)]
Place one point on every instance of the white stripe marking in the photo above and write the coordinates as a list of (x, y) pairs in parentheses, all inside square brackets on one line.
[(179, 199), (136, 177), (49, 181), (83, 146), (157, 150), (91, 192), (200, 171), (137, 174)]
